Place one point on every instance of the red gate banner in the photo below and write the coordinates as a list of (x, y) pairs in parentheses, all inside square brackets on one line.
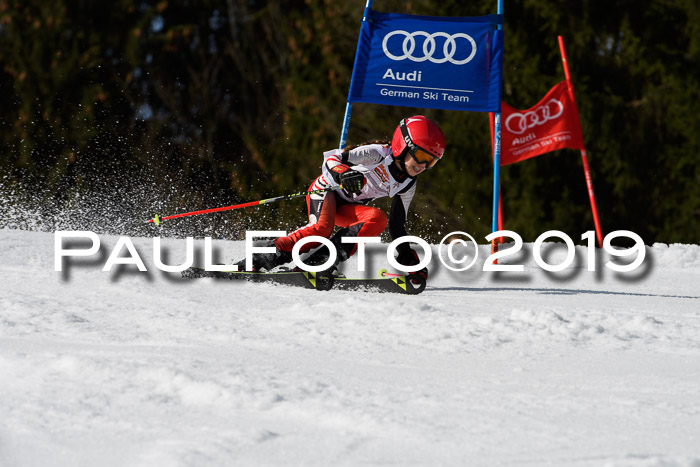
[(550, 125)]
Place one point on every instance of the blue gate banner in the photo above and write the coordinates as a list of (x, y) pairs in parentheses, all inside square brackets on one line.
[(429, 62)]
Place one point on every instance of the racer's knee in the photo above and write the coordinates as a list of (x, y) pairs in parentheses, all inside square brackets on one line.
[(375, 222)]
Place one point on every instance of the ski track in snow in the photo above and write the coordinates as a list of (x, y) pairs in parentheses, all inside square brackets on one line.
[(145, 369)]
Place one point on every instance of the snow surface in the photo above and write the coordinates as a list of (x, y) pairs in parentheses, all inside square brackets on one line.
[(145, 369)]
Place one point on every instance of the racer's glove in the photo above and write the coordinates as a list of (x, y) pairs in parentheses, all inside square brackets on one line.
[(352, 180), (409, 257)]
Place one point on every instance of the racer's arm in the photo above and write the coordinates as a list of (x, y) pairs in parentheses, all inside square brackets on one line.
[(397, 228), (369, 154), (339, 165), (397, 216)]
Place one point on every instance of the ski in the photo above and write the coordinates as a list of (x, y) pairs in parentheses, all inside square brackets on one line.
[(386, 283), (308, 280), (392, 283)]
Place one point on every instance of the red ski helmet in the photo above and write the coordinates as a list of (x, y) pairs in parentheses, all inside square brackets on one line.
[(422, 138)]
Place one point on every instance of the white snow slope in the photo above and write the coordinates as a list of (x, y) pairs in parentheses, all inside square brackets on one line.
[(127, 368)]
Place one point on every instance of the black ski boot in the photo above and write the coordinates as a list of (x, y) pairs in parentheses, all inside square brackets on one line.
[(322, 254), (264, 262)]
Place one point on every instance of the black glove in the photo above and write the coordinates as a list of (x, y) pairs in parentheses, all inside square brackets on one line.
[(351, 179), (409, 257)]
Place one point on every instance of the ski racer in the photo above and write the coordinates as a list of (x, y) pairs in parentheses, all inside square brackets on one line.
[(366, 172)]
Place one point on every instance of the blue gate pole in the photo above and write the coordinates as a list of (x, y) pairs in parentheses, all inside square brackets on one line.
[(348, 106), (497, 151)]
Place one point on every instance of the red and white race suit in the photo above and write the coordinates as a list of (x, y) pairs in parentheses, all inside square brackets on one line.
[(382, 178)]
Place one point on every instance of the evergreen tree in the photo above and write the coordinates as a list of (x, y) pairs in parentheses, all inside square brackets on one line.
[(211, 103)]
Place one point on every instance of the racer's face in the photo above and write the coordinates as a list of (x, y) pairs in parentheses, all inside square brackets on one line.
[(413, 167)]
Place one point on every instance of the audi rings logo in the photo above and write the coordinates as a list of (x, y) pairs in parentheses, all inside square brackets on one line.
[(457, 49), (518, 123)]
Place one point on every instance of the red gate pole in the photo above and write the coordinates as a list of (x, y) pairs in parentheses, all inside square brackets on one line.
[(584, 157)]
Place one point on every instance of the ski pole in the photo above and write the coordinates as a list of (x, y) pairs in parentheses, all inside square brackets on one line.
[(158, 219)]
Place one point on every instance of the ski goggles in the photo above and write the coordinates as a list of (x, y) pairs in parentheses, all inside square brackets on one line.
[(423, 157), (420, 155)]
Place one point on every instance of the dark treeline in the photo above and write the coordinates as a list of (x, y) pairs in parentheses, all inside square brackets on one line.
[(184, 105)]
